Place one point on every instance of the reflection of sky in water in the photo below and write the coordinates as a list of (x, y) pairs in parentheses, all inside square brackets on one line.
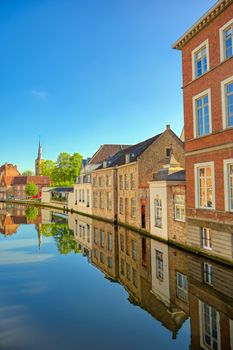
[(51, 301)]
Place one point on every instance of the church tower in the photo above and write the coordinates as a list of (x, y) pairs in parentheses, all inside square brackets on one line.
[(38, 161)]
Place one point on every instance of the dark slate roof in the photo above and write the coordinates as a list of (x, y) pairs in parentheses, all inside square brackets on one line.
[(135, 151), (163, 175), (62, 189)]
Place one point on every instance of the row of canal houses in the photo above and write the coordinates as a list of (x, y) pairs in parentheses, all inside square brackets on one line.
[(178, 191)]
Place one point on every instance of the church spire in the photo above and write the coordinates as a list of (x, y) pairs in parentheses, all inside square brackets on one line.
[(39, 151)]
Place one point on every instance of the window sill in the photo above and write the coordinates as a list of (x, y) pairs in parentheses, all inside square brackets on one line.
[(179, 220)]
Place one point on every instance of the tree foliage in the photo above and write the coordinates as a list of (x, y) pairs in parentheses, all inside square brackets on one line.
[(31, 189), (64, 237), (64, 171), (28, 173), (31, 213)]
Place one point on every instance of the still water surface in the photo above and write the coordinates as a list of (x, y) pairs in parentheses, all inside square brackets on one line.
[(85, 284)]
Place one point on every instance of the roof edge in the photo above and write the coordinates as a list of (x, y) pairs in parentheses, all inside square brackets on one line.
[(208, 17)]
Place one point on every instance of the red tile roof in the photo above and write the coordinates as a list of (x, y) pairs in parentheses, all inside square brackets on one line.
[(38, 180), (106, 151)]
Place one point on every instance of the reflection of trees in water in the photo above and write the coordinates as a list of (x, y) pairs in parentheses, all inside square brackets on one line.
[(64, 237), (31, 213)]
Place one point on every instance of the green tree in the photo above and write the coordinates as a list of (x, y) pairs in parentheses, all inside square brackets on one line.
[(28, 173), (47, 167), (31, 213), (31, 189)]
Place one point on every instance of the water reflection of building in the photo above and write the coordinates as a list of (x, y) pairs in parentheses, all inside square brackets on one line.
[(82, 227), (105, 248), (211, 304)]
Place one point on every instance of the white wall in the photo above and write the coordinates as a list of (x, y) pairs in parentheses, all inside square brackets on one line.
[(160, 288), (158, 189)]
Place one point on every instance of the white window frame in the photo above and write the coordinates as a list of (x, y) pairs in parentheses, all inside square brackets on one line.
[(202, 326), (180, 205), (208, 273), (181, 291), (195, 98), (223, 99), (158, 208), (196, 167), (221, 37), (159, 265), (204, 43), (207, 230), (226, 164)]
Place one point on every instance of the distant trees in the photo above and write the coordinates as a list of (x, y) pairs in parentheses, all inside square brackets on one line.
[(31, 190), (28, 173), (31, 214), (64, 171)]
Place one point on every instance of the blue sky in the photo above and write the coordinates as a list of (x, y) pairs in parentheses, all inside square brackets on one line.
[(84, 73)]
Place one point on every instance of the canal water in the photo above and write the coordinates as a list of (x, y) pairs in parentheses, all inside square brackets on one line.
[(78, 283)]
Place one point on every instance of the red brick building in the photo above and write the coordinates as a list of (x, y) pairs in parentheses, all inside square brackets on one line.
[(20, 182), (207, 62)]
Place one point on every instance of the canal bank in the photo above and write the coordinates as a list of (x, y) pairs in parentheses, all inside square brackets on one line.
[(142, 232)]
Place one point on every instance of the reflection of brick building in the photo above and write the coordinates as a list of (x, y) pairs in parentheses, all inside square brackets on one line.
[(207, 61), (211, 304)]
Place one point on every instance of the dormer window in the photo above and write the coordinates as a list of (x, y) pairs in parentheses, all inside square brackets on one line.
[(127, 158), (105, 164)]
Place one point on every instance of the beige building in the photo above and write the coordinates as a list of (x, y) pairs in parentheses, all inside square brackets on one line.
[(167, 203), (136, 166), (82, 199)]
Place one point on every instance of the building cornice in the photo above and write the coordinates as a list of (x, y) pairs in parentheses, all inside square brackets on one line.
[(208, 17)]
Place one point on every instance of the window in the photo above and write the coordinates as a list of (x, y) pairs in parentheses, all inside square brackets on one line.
[(126, 182), (135, 278), (110, 262), (202, 123), (95, 199), (159, 265), (76, 196), (181, 286), (122, 245), (134, 249), (127, 158), (227, 102), (204, 185), (133, 207), (108, 180), (109, 200), (121, 182), (109, 241), (226, 40), (208, 273), (200, 60), (128, 271), (210, 335), (101, 200), (88, 198), (83, 196), (122, 267), (80, 195), (205, 238), (102, 258), (168, 152), (95, 253), (158, 212), (95, 235), (121, 206), (88, 233), (94, 181), (179, 207), (132, 181), (228, 183), (102, 238), (127, 242), (101, 183)]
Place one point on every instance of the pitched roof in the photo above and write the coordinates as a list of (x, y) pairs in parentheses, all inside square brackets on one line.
[(38, 180), (7, 180), (134, 151), (106, 151)]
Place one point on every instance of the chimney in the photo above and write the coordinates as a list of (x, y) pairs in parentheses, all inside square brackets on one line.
[(168, 127)]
